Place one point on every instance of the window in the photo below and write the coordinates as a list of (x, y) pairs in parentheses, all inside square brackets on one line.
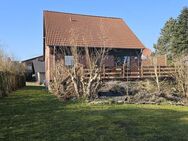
[(127, 61), (29, 68), (69, 60)]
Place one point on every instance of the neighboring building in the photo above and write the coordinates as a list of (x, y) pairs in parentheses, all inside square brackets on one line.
[(97, 32), (161, 60), (147, 58), (146, 53), (35, 69)]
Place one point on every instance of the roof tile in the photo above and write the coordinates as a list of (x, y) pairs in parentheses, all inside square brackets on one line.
[(65, 29)]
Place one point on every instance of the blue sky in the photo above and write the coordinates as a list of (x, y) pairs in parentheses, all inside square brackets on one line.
[(21, 20)]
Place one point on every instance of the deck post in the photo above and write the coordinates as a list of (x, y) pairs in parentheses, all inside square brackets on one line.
[(82, 70), (103, 70), (123, 69), (159, 71), (141, 71)]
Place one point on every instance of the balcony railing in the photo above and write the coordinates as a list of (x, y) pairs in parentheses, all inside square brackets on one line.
[(135, 72)]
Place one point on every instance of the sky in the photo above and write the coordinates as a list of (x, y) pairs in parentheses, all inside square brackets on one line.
[(21, 21)]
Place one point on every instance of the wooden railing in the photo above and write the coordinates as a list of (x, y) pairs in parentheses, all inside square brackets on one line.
[(135, 73), (161, 71)]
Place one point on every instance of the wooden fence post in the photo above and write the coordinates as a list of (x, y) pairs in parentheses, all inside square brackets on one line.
[(123, 69), (103, 71), (159, 70), (141, 71)]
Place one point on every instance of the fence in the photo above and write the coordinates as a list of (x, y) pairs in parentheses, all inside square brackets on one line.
[(10, 82)]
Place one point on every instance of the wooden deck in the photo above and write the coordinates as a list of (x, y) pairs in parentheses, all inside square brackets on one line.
[(138, 73)]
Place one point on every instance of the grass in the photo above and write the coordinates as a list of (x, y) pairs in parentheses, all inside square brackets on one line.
[(32, 114)]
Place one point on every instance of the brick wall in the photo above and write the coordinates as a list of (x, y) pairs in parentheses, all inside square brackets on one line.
[(49, 62)]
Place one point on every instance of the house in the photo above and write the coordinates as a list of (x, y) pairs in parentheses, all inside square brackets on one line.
[(146, 53), (35, 70), (97, 32)]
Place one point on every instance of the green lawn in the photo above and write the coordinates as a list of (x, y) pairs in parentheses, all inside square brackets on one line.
[(31, 114)]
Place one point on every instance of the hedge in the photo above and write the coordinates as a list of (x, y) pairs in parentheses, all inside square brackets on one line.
[(10, 82)]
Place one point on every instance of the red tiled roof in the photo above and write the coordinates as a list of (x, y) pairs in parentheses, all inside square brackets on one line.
[(147, 52), (65, 29)]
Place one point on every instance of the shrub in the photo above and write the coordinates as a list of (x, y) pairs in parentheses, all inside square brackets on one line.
[(11, 74)]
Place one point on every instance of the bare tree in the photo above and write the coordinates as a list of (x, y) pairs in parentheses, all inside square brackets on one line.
[(154, 64), (181, 74), (84, 79), (8, 64), (95, 61)]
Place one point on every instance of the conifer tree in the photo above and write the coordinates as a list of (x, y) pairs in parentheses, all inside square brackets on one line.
[(180, 42), (164, 43), (173, 39)]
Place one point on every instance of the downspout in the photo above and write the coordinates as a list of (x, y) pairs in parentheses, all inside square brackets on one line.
[(140, 65)]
